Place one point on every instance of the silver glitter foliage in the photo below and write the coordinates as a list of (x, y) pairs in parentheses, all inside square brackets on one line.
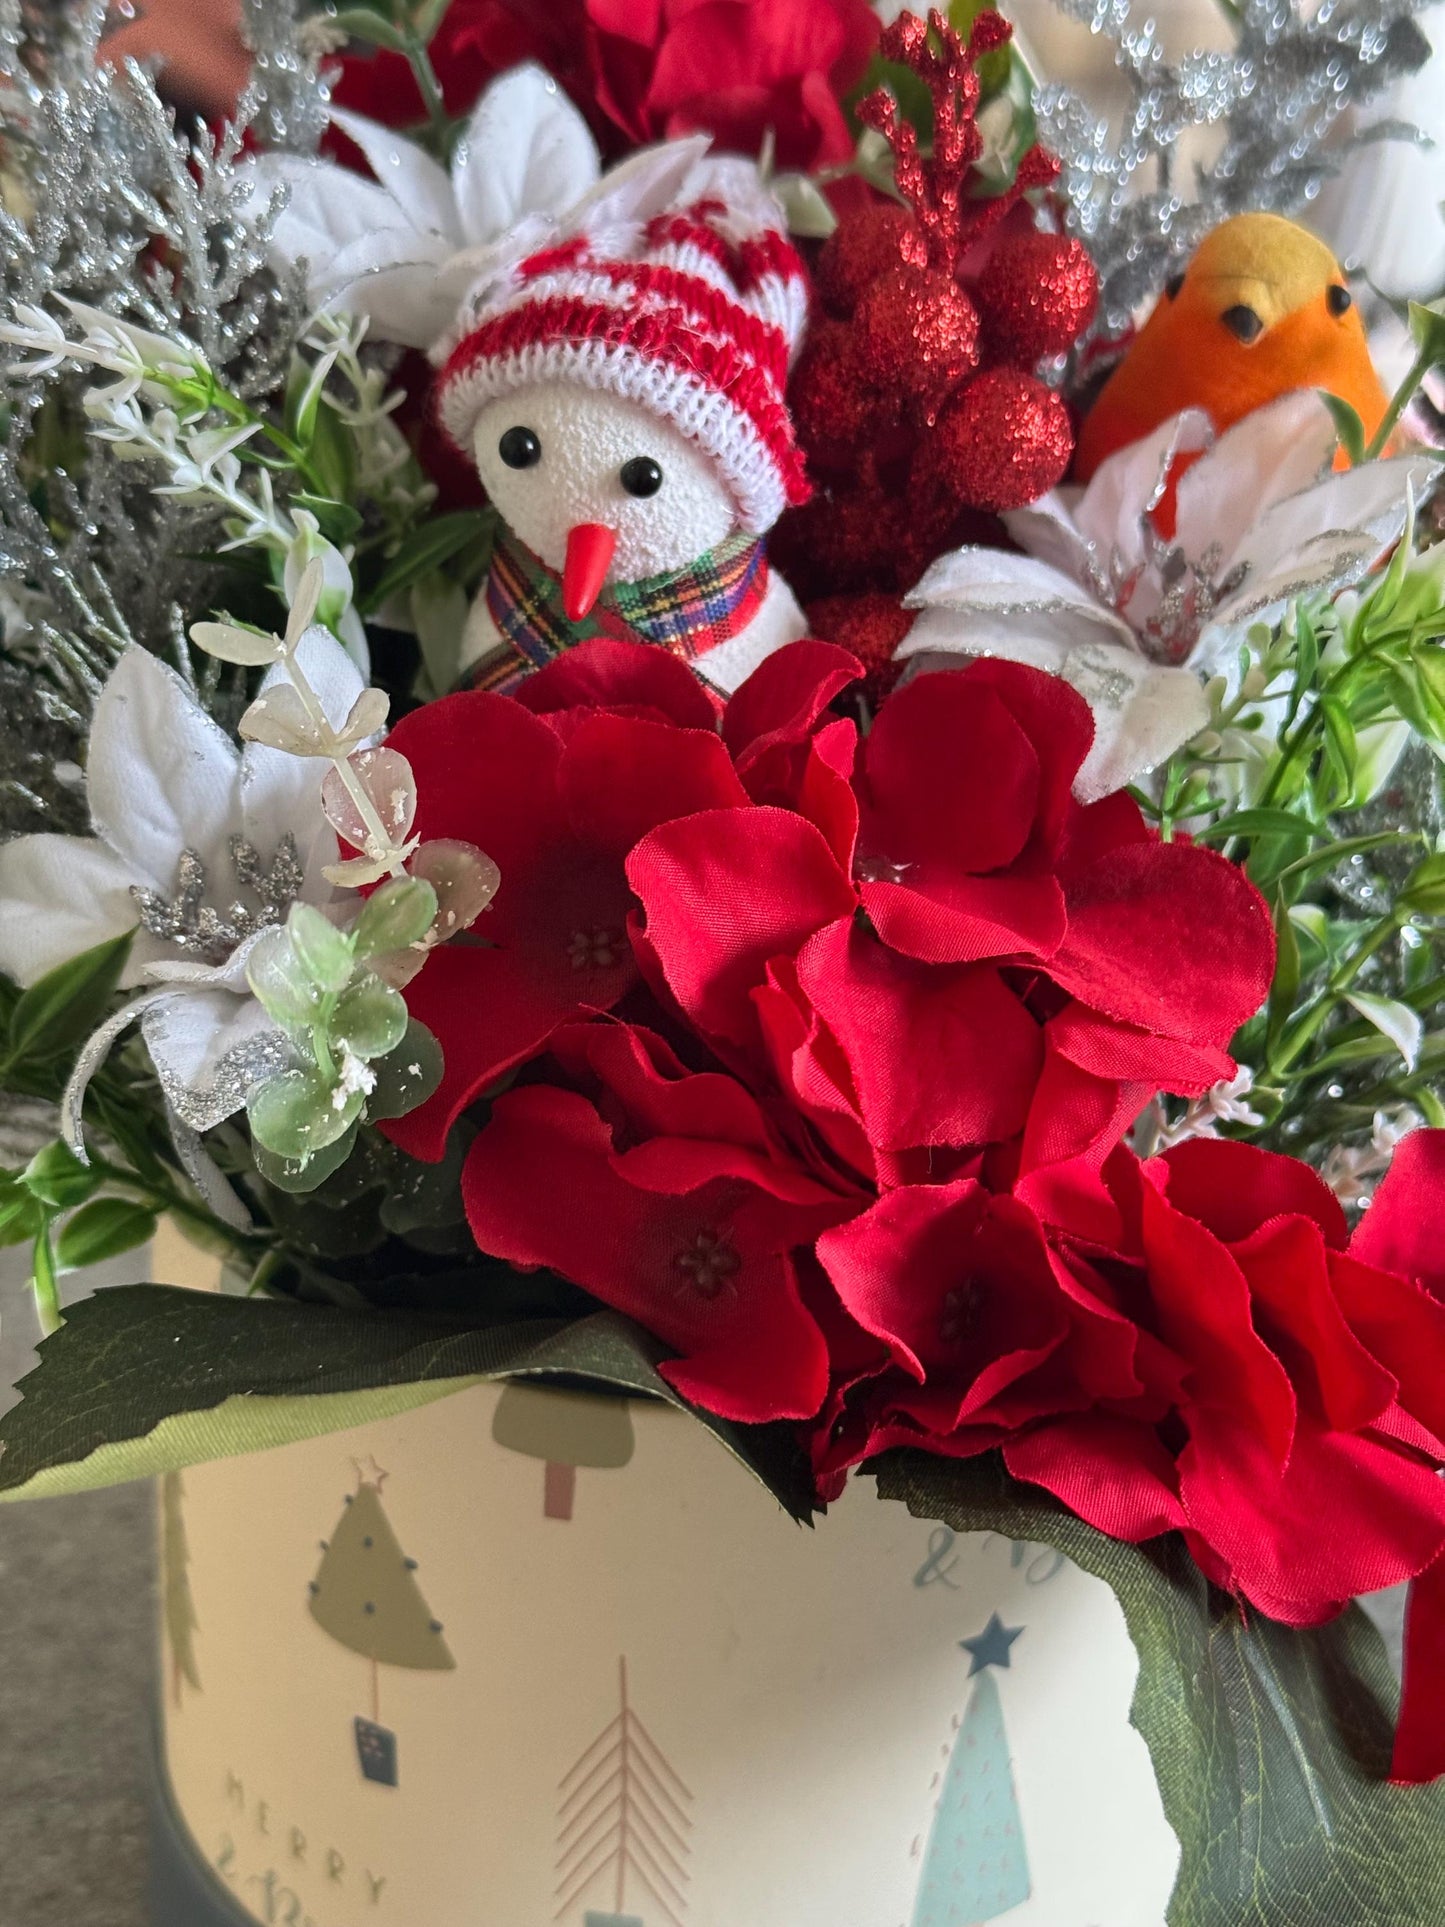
[(1273, 100), (103, 199)]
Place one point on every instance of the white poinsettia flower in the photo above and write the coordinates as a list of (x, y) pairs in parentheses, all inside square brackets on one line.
[(198, 846), (1134, 618), (406, 248)]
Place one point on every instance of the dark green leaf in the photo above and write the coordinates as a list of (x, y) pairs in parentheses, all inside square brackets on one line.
[(1348, 426), (1270, 1744), (1260, 822), (408, 1076), (363, 23), (430, 547), (56, 1176), (339, 522), (68, 1002), (1424, 891), (147, 1378), (103, 1229), (1427, 325), (1285, 988)]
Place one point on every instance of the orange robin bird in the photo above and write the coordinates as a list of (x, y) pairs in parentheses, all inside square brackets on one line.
[(1262, 309)]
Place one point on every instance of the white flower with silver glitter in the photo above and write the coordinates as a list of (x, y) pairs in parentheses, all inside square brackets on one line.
[(1134, 619), (198, 846), (407, 247)]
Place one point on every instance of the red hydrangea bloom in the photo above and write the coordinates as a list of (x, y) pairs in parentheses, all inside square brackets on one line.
[(669, 1195), (735, 69), (645, 70), (557, 808), (1307, 1413), (1021, 964)]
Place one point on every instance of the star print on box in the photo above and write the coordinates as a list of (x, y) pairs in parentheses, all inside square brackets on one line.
[(976, 1867)]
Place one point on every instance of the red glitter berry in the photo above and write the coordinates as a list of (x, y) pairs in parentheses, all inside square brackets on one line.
[(872, 626), (1001, 444), (918, 332), (832, 401), (1038, 293), (862, 249)]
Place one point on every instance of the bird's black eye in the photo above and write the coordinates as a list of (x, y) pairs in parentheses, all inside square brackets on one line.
[(1174, 284), (519, 448), (1243, 323), (641, 476), (1338, 299)]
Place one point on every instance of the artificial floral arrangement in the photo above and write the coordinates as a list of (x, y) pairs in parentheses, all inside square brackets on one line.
[(710, 715)]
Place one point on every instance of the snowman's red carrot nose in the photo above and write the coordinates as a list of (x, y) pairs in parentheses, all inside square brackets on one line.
[(589, 550)]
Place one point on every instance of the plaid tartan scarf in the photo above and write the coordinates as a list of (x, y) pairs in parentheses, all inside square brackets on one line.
[(688, 611)]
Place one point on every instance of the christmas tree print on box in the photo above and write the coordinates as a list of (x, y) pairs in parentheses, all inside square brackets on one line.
[(975, 1866), (622, 1826), (563, 1430), (366, 1597), (180, 1608)]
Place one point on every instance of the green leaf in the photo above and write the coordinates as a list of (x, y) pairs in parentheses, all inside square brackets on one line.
[(1258, 822), (1424, 891), (103, 1229), (298, 1175), (1285, 988), (369, 1020), (362, 23), (281, 982), (398, 914), (56, 1176), (430, 547), (21, 1216), (323, 951), (1427, 325), (408, 1076), (293, 1114), (339, 522), (1394, 1020), (1348, 426), (150, 1378), (1270, 1744), (68, 1002), (1341, 751)]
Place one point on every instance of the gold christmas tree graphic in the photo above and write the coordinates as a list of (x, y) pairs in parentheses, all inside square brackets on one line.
[(366, 1596), (180, 1608), (623, 1823)]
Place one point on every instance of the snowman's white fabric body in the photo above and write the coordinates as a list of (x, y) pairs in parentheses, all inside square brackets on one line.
[(586, 439), (645, 314)]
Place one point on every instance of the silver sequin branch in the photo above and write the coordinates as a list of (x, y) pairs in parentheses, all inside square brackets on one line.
[(1273, 100)]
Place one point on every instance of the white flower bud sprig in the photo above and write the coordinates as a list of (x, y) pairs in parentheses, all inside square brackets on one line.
[(335, 991)]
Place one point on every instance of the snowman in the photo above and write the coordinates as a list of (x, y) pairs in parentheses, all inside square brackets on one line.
[(621, 395)]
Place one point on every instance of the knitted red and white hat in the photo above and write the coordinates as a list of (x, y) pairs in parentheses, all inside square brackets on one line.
[(695, 314)]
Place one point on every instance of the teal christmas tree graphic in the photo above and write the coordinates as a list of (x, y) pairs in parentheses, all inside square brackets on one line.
[(975, 1866)]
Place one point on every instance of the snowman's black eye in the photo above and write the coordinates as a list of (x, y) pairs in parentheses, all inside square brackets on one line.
[(641, 476), (1243, 323), (519, 448), (1337, 299)]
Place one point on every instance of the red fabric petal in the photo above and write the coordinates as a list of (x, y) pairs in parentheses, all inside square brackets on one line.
[(1402, 1230), (1420, 1739), (1401, 1325), (1235, 1188), (1344, 1516), (968, 919), (726, 891), (1170, 938), (622, 775), (1113, 1472), (605, 673), (938, 1056), (786, 696), (747, 1348), (1058, 723)]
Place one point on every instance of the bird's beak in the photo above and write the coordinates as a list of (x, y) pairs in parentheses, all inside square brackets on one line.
[(589, 551)]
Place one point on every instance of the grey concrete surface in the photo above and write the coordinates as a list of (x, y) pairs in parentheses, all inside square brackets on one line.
[(76, 1642)]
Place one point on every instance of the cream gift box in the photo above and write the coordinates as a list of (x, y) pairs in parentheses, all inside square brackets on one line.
[(525, 1657)]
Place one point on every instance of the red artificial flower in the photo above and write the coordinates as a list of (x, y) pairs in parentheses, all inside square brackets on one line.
[(476, 41), (1022, 964), (1300, 1454), (736, 69), (558, 817), (646, 70), (668, 1195)]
